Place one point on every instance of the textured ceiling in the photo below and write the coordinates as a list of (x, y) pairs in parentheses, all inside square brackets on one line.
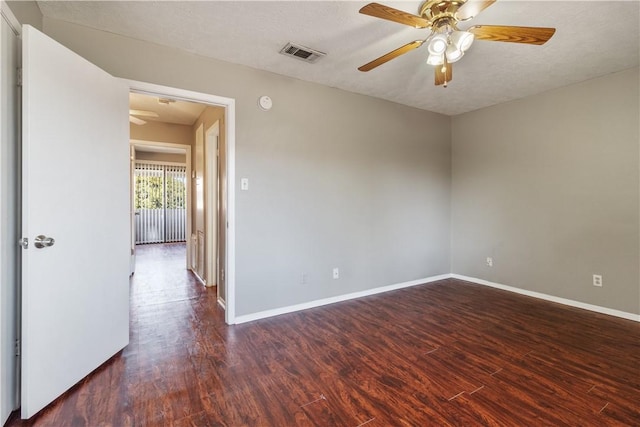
[(177, 112), (593, 38)]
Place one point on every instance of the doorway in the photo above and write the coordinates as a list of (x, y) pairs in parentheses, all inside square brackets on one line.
[(160, 202), (166, 118), (160, 195)]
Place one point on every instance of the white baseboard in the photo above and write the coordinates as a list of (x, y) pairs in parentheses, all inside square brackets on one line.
[(572, 303), (331, 300), (200, 279), (222, 304)]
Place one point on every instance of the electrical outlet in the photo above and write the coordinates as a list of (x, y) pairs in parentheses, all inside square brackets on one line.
[(336, 273), (489, 261), (303, 279), (597, 280)]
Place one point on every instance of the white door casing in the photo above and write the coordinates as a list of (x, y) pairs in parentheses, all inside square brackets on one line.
[(227, 192), (75, 294), (211, 200), (199, 222)]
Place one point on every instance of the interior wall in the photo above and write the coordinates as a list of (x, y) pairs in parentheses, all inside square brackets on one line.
[(27, 12), (161, 157), (336, 179), (162, 132), (548, 186)]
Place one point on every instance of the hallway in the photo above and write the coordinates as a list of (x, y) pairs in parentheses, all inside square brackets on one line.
[(161, 276)]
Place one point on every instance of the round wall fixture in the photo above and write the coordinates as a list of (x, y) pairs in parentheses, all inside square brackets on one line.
[(265, 103)]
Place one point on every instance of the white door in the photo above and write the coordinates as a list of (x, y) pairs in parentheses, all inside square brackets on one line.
[(75, 187)]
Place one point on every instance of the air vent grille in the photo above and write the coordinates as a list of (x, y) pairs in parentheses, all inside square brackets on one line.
[(302, 53)]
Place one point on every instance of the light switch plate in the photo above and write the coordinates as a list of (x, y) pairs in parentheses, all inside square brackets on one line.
[(244, 184)]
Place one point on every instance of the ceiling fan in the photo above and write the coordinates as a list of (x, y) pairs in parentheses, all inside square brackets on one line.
[(141, 113), (446, 42)]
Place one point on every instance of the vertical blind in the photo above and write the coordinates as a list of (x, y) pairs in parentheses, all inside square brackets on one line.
[(160, 203)]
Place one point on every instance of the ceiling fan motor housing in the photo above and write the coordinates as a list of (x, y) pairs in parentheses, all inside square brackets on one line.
[(441, 12)]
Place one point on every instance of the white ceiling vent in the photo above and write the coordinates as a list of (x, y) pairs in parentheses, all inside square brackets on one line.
[(300, 52)]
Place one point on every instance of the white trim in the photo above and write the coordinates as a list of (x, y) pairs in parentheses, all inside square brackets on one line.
[(331, 300), (230, 140), (339, 298), (156, 162), (230, 132), (155, 143), (221, 303), (211, 150), (200, 279), (559, 300)]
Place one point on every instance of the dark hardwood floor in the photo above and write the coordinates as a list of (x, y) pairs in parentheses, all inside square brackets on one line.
[(446, 353)]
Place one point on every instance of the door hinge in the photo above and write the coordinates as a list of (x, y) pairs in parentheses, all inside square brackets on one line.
[(24, 243), (18, 346), (222, 274), (19, 77)]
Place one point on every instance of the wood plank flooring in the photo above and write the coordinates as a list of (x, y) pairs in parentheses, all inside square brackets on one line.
[(446, 353)]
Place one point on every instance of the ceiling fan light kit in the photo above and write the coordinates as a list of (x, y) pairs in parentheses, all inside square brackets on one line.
[(437, 44), (447, 43), (435, 59), (453, 53), (462, 39)]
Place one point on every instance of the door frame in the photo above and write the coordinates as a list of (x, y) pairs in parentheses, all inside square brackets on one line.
[(211, 204), (139, 142), (229, 105)]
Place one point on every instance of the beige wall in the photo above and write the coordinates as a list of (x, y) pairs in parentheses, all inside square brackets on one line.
[(162, 132), (336, 179), (27, 12), (549, 187), (161, 157)]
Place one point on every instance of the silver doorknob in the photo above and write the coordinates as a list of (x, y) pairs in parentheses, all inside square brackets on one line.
[(43, 241)]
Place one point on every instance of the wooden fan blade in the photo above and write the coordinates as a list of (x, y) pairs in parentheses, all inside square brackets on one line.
[(143, 113), (385, 12), (499, 33), (472, 8), (442, 78), (389, 56), (137, 121)]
